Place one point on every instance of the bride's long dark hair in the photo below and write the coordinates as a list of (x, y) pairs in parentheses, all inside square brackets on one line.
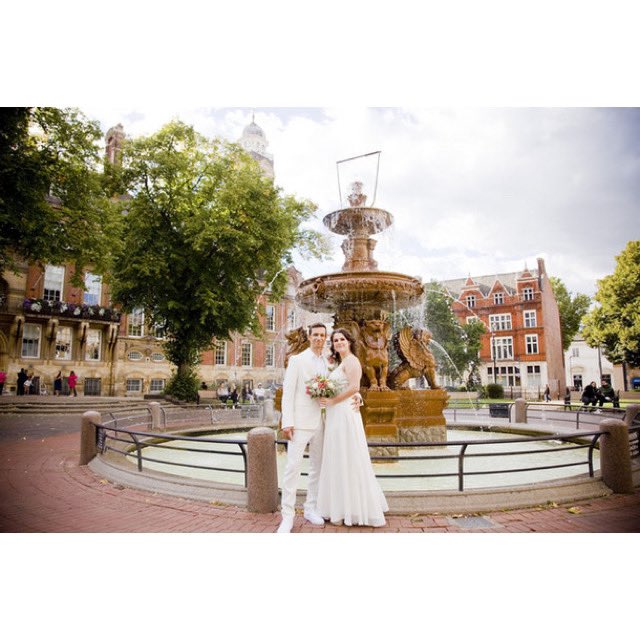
[(350, 339)]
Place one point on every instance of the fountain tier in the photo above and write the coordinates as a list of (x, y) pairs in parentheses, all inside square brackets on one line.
[(365, 293)]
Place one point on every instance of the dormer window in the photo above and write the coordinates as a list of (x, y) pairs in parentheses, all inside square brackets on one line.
[(498, 298)]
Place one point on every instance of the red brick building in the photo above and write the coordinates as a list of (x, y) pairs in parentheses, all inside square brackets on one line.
[(522, 348)]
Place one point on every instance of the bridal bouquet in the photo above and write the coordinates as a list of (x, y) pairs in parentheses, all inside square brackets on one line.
[(321, 387)]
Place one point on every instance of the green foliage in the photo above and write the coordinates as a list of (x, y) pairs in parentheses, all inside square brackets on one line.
[(461, 342), (184, 385), (54, 204), (493, 391), (205, 235), (615, 322), (572, 309)]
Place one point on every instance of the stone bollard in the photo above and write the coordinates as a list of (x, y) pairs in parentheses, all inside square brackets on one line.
[(631, 412), (88, 431), (156, 416), (521, 410), (262, 472), (615, 457), (268, 412)]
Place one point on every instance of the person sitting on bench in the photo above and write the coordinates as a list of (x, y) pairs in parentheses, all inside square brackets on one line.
[(590, 395), (606, 393)]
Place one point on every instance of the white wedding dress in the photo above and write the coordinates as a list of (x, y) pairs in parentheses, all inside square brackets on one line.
[(348, 489)]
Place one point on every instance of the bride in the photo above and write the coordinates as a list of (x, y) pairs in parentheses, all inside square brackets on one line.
[(348, 490)]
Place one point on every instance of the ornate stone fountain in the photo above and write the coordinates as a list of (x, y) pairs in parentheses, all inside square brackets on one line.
[(361, 298)]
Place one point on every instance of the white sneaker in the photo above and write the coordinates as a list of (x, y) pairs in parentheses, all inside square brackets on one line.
[(286, 525), (313, 518)]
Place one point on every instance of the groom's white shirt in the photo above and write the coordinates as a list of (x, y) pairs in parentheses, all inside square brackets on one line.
[(299, 410)]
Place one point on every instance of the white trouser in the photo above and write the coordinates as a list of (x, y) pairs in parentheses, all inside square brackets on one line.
[(293, 468)]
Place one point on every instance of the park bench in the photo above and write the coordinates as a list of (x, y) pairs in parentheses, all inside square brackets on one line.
[(250, 410), (206, 394)]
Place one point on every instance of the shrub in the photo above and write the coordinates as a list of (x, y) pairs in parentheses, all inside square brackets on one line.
[(494, 390), (184, 386)]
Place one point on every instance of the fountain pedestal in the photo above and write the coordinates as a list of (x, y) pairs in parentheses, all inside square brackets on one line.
[(405, 415)]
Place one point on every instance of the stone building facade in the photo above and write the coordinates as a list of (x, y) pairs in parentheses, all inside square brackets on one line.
[(522, 347), (48, 325)]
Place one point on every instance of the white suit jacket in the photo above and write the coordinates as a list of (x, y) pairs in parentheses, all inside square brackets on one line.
[(299, 410)]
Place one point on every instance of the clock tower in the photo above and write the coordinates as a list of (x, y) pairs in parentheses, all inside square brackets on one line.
[(255, 143)]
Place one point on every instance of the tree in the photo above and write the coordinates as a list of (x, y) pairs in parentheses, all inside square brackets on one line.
[(571, 309), (54, 205), (459, 350), (205, 235), (615, 322)]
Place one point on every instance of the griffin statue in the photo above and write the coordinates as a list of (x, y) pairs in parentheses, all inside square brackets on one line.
[(412, 346)]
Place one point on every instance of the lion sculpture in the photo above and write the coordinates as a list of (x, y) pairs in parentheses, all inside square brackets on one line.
[(374, 338), (412, 346), (298, 341)]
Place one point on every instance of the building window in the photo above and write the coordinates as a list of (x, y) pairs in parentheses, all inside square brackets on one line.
[(157, 385), (53, 281), (577, 381), (93, 285), (136, 323), (532, 344), (575, 352), (31, 341), (221, 353), (506, 376), (271, 318), (270, 355), (498, 298), (530, 319), (63, 343), (534, 379), (157, 357), (94, 343), (527, 293), (134, 355), (606, 377), (247, 354), (291, 319), (502, 348), (500, 322), (92, 386), (134, 385), (471, 301)]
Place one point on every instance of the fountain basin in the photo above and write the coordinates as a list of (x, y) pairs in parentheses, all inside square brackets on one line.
[(359, 291)]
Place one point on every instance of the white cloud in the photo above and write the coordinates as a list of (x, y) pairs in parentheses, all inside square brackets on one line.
[(476, 191)]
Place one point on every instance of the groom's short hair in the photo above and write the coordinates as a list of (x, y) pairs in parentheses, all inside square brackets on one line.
[(317, 325)]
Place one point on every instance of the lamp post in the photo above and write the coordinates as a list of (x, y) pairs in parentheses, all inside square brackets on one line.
[(599, 362), (493, 353)]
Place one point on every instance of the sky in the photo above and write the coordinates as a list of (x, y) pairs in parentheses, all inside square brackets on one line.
[(472, 191), (498, 146)]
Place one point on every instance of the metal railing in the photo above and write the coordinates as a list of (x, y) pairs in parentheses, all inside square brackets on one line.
[(143, 441), (122, 435), (575, 413), (463, 455)]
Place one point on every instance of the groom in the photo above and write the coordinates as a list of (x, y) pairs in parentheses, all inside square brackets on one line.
[(302, 425)]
